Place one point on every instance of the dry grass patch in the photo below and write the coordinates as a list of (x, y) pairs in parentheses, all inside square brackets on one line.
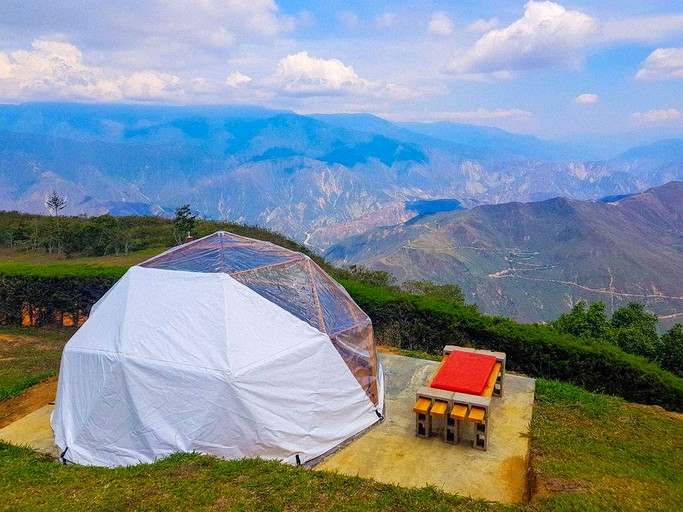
[(28, 356)]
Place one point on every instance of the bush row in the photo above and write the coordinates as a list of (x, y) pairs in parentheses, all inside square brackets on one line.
[(407, 321), (42, 295), (103, 235), (421, 323)]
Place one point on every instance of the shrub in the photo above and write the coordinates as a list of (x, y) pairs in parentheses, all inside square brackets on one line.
[(671, 350), (422, 323), (42, 294)]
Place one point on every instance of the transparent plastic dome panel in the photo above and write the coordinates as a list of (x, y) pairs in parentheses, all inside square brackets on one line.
[(201, 256), (292, 281), (221, 254), (287, 285), (338, 309), (356, 347)]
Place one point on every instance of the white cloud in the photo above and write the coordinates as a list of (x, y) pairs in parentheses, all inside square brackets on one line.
[(482, 25), (236, 79), (643, 28), (349, 19), (147, 85), (301, 74), (440, 25), (584, 99), (662, 64), (55, 70), (657, 116), (386, 20), (201, 86), (159, 34), (482, 114), (548, 35)]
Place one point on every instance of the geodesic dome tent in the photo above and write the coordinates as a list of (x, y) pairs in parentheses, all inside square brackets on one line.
[(225, 345)]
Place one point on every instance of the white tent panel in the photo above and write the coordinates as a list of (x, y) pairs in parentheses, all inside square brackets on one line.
[(185, 361)]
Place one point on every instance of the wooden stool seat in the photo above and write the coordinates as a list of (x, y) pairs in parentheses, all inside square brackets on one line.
[(459, 412), (439, 409), (476, 415), (422, 405)]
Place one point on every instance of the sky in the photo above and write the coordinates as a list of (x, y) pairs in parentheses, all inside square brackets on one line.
[(558, 70)]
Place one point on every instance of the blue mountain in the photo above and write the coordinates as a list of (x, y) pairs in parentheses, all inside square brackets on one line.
[(317, 178)]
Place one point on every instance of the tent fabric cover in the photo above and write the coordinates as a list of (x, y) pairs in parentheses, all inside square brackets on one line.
[(203, 360)]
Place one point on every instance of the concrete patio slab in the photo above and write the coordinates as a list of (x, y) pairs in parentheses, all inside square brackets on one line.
[(33, 430), (390, 452)]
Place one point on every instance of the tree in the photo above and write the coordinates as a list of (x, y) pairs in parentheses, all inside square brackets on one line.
[(438, 291), (585, 321), (55, 203), (366, 275), (670, 352), (183, 223), (636, 330)]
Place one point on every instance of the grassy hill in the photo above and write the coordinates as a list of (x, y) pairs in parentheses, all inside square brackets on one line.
[(589, 452)]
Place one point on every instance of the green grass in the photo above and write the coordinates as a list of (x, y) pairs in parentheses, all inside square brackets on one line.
[(28, 356), (611, 454), (595, 452), (192, 482), (69, 270), (15, 387), (8, 255)]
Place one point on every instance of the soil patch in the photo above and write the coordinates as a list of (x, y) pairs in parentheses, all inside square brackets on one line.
[(387, 349), (30, 400), (14, 338), (549, 486)]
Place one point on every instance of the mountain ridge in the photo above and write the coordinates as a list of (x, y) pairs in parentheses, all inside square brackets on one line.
[(532, 261), (316, 178)]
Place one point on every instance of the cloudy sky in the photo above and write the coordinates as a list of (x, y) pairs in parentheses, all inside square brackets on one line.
[(555, 69)]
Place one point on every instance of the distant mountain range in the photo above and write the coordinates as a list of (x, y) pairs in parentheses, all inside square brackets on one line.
[(533, 261), (317, 178)]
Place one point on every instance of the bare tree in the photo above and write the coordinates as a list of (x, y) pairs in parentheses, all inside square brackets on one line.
[(55, 203)]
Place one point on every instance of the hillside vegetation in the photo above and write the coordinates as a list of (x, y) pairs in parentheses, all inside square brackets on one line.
[(40, 294)]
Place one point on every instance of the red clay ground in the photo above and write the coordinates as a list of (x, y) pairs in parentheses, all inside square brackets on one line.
[(33, 398)]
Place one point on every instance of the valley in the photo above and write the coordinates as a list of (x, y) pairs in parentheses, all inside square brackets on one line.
[(318, 179), (534, 261)]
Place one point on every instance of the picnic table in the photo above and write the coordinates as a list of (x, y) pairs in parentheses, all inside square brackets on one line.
[(460, 393)]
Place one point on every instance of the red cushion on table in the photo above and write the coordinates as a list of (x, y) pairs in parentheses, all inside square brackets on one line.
[(464, 372)]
